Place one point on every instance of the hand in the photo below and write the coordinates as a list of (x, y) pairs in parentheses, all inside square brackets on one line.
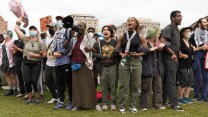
[(194, 48), (15, 47), (184, 56), (174, 57), (204, 47), (20, 19), (154, 48), (41, 53), (134, 54), (88, 49), (161, 45), (122, 55), (31, 55), (104, 56), (57, 54)]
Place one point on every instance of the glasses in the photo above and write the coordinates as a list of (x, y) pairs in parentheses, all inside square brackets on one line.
[(32, 44)]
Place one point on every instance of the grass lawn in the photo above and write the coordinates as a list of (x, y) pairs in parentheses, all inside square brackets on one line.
[(15, 107)]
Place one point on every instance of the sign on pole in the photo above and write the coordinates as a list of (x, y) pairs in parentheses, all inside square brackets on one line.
[(3, 25), (45, 21)]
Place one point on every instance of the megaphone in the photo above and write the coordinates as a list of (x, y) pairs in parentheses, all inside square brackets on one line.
[(68, 22)]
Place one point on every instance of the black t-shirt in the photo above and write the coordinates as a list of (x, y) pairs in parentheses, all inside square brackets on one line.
[(108, 48), (185, 63), (19, 44), (134, 45)]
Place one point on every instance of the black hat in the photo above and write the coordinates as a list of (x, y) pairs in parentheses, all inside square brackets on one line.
[(183, 29), (59, 18), (68, 22), (32, 27)]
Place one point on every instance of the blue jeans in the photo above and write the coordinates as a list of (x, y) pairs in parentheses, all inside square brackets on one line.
[(200, 74)]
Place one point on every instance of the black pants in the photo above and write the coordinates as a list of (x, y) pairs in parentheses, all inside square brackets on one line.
[(50, 80), (64, 78), (31, 73), (18, 65), (169, 82)]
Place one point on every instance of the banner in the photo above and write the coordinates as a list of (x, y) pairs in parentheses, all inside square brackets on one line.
[(45, 21), (3, 25), (16, 7)]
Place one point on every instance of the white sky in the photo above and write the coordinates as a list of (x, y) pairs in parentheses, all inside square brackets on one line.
[(109, 11)]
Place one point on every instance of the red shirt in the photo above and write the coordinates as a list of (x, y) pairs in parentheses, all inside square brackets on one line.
[(77, 55)]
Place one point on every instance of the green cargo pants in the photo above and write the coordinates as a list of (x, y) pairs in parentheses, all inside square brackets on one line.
[(129, 74)]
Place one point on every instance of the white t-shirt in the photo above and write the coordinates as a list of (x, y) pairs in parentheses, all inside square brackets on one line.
[(50, 59)]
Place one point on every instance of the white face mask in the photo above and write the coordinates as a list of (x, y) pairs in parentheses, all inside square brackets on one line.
[(5, 36), (91, 34), (59, 24)]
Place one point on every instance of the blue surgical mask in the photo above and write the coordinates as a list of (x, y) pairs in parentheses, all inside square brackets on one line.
[(59, 24), (32, 33)]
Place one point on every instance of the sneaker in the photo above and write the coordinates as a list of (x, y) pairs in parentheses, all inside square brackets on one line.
[(198, 99), (19, 95), (122, 110), (182, 101), (144, 109), (113, 107), (29, 101), (205, 99), (38, 100), (69, 106), (177, 108), (190, 101), (133, 109), (105, 107), (53, 100), (161, 108), (98, 107), (59, 105), (75, 108)]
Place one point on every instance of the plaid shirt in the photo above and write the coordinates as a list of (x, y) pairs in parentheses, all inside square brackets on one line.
[(77, 54)]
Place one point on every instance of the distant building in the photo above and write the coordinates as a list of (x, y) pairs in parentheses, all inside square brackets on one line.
[(144, 22), (86, 18)]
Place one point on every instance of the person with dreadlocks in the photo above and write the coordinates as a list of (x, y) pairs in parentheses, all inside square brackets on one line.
[(130, 67)]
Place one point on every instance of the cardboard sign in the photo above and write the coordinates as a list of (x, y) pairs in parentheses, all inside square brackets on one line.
[(3, 25), (45, 21)]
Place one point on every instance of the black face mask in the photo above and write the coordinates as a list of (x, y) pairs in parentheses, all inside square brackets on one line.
[(51, 32)]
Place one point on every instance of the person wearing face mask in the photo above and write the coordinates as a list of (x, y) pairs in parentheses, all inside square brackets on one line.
[(50, 75), (7, 64), (130, 66), (91, 31), (185, 73), (34, 51), (62, 65)]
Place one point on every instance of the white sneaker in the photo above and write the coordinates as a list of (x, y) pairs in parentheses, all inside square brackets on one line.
[(133, 109), (105, 107), (122, 110), (113, 107), (162, 108), (98, 108), (144, 109), (53, 100)]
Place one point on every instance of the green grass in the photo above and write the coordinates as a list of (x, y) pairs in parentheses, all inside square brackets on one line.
[(15, 107)]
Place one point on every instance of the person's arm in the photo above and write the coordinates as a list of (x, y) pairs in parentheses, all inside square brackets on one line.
[(118, 45), (97, 53), (19, 33)]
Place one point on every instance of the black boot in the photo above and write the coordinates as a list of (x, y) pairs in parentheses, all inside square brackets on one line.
[(10, 92)]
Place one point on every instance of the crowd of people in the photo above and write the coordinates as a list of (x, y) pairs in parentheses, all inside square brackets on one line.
[(164, 64)]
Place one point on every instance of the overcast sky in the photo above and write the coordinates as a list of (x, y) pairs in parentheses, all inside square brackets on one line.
[(109, 11)]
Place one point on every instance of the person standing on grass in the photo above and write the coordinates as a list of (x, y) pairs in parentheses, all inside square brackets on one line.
[(18, 57), (152, 70), (130, 67), (50, 74), (83, 84), (34, 51), (185, 73), (62, 65), (7, 64), (107, 55), (200, 73), (171, 38)]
